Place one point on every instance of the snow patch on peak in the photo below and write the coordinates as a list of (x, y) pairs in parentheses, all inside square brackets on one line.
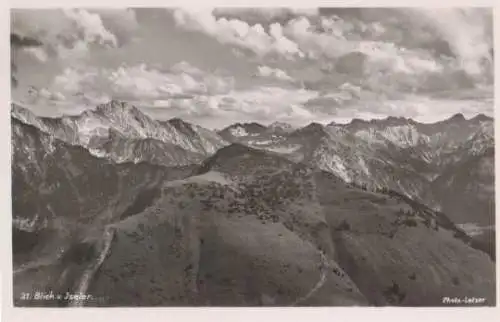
[(263, 142), (369, 135), (99, 153), (238, 131), (284, 149), (402, 135)]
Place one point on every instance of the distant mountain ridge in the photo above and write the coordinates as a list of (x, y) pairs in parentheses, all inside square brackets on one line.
[(396, 153), (93, 128)]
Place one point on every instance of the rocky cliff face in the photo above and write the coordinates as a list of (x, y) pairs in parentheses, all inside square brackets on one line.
[(121, 132)]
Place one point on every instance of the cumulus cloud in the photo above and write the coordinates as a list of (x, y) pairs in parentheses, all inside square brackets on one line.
[(138, 82), (189, 95), (266, 15), (90, 26), (122, 22), (54, 96), (270, 101), (185, 67), (71, 32), (263, 104), (327, 102), (334, 45), (406, 53), (468, 33), (38, 53), (37, 96), (268, 12), (74, 80), (275, 73), (238, 33), (398, 50), (349, 63), (331, 38)]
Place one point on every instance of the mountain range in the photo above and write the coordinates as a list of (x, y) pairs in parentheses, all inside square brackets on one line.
[(137, 211), (422, 161)]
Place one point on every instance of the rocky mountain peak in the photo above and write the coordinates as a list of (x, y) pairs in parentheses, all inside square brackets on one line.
[(232, 150), (356, 121), (177, 121), (242, 130), (19, 112), (314, 126), (394, 121), (311, 129), (459, 117), (281, 126), (182, 126), (250, 126), (482, 118), (115, 106)]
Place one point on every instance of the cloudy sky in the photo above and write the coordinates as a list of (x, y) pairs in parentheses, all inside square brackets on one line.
[(218, 66)]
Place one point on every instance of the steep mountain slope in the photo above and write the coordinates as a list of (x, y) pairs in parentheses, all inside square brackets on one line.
[(90, 199), (204, 141), (350, 157), (228, 240), (399, 252), (473, 181), (358, 161), (122, 149), (62, 197), (393, 153), (246, 227), (93, 128)]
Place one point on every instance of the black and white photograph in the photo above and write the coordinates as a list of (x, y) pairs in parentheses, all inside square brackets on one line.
[(252, 157)]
